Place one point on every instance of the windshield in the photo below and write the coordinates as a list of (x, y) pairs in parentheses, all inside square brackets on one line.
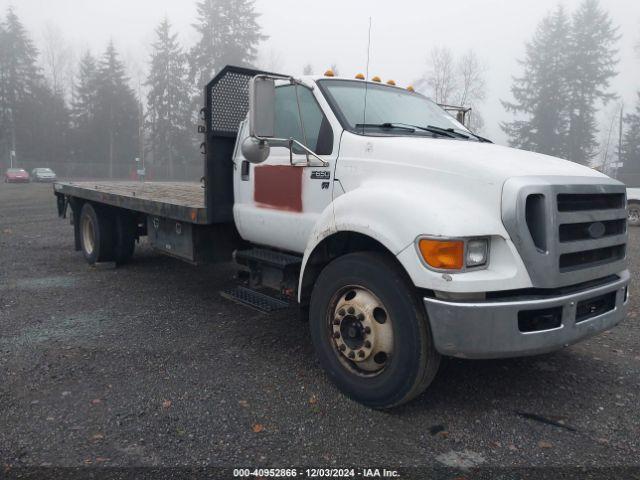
[(16, 170), (385, 106), (44, 170)]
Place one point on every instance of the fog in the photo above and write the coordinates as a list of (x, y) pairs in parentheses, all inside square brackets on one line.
[(335, 32)]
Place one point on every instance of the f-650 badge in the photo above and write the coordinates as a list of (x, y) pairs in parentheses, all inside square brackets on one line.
[(320, 175)]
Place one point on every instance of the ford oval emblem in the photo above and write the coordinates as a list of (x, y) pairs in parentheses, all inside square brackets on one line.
[(596, 230)]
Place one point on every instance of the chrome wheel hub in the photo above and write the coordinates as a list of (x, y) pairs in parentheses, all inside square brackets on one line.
[(361, 329)]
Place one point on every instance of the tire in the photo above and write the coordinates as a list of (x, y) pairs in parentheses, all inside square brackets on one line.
[(96, 234), (124, 237), (633, 214), (367, 294)]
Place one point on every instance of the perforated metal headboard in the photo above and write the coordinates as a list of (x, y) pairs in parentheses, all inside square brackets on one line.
[(227, 100)]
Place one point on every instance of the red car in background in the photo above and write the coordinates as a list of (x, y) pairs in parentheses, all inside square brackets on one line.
[(16, 175)]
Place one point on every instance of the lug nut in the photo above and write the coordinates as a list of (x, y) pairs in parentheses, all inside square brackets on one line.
[(351, 310), (367, 330), (352, 355), (343, 348), (341, 312), (360, 317), (336, 335), (361, 354), (336, 322), (367, 344)]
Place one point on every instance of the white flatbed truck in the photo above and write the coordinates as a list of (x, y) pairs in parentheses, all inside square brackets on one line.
[(400, 234)]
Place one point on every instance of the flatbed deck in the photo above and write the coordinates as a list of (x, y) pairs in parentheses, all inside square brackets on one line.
[(176, 200)]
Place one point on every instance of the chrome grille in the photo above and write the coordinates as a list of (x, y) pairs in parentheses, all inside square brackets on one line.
[(567, 230)]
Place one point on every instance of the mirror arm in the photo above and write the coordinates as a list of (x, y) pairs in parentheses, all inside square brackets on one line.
[(308, 152)]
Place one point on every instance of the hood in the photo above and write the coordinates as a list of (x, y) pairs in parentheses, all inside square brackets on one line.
[(481, 161)]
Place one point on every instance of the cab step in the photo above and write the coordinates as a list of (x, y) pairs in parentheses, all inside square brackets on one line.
[(271, 269), (254, 299), (272, 258)]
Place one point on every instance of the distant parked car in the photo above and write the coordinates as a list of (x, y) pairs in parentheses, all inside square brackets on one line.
[(16, 175), (43, 175)]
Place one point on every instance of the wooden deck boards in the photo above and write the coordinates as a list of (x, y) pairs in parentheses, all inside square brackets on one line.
[(183, 194), (179, 200)]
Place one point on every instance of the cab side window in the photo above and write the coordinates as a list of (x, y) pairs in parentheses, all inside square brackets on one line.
[(319, 135)]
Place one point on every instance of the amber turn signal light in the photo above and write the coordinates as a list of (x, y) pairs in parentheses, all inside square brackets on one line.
[(443, 255)]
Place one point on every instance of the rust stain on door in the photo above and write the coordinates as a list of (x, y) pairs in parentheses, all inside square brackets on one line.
[(278, 187)]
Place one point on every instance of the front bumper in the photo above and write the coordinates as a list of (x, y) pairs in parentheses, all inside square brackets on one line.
[(490, 329)]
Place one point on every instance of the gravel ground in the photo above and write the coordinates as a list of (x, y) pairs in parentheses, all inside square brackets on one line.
[(147, 365)]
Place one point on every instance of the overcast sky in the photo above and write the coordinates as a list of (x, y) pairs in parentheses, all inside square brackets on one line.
[(335, 31)]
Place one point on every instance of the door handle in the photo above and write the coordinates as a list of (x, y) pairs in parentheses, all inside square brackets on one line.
[(245, 170)]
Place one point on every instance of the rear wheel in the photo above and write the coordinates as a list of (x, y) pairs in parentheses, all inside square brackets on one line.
[(633, 213), (370, 333), (96, 234)]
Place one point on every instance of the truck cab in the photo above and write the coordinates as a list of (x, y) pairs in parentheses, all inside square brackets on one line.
[(401, 235), (511, 252)]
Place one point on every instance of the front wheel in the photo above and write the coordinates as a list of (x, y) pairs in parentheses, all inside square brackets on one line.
[(370, 332), (633, 214)]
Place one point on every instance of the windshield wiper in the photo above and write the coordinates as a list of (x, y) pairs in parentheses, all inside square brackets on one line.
[(410, 128), (450, 131), (481, 139), (463, 135)]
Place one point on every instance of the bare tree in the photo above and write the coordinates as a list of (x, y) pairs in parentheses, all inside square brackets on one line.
[(58, 59), (471, 82), (609, 143), (454, 81), (308, 69), (441, 76), (471, 86)]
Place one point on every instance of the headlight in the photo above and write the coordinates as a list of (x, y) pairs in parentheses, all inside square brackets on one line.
[(477, 252), (454, 254)]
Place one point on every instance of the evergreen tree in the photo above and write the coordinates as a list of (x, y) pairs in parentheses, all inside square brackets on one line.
[(18, 75), (168, 102), (35, 118), (42, 125), (591, 61), (229, 35), (4, 110), (117, 118), (541, 94), (83, 114)]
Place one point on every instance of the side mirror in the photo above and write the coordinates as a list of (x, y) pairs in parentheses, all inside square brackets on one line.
[(262, 107), (255, 150)]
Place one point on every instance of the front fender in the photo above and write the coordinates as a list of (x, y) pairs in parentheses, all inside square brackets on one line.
[(395, 214)]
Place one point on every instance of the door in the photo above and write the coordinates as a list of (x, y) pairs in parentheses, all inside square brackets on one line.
[(277, 203)]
